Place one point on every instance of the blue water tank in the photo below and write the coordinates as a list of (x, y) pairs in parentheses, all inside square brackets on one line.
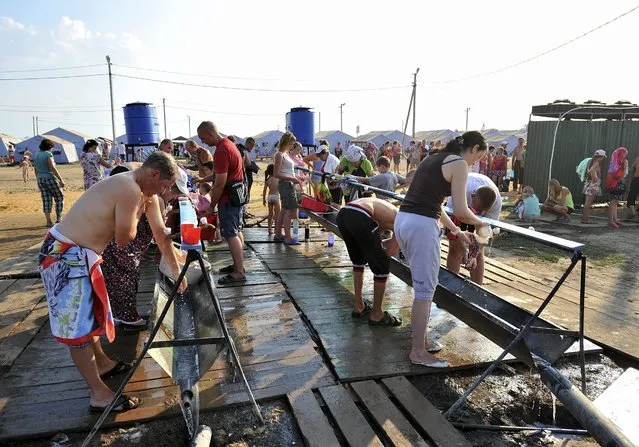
[(301, 122), (141, 122)]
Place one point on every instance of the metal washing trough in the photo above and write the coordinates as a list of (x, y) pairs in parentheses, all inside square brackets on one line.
[(528, 337)]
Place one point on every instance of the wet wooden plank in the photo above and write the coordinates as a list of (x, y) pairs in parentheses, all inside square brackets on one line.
[(26, 263), (22, 295), (429, 419), (314, 427), (13, 344), (387, 416), (5, 284), (350, 420)]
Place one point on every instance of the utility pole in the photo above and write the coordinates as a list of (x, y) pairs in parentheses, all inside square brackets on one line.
[(341, 116), (319, 124), (33, 125), (414, 97), (467, 109), (189, 118), (37, 126), (164, 110), (108, 59)]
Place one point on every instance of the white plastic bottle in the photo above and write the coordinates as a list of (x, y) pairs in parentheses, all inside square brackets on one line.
[(296, 230)]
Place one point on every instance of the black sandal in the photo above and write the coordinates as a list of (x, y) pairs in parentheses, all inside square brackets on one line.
[(230, 279), (121, 405), (119, 368), (227, 269), (386, 320), (365, 311)]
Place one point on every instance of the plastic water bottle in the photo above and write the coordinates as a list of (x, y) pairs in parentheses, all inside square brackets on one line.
[(331, 239), (307, 232), (296, 229)]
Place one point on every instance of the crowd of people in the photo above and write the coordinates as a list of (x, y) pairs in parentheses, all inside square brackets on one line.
[(90, 259)]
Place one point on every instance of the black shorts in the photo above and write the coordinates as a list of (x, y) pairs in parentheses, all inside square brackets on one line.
[(363, 242)]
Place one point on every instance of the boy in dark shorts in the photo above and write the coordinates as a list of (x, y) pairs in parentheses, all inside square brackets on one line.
[(361, 224)]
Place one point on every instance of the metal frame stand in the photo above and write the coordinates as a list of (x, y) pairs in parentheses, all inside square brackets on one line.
[(232, 355), (577, 257)]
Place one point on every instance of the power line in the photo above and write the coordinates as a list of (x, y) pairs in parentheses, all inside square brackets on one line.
[(201, 74), (52, 68), (221, 113), (55, 121), (36, 110), (53, 77), (220, 87), (525, 61), (41, 107)]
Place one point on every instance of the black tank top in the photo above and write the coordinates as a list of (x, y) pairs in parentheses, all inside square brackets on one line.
[(429, 188)]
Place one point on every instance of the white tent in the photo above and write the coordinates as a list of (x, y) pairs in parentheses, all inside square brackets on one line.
[(4, 143), (63, 151), (333, 137), (495, 137), (443, 135), (267, 140), (73, 136), (399, 136), (378, 138)]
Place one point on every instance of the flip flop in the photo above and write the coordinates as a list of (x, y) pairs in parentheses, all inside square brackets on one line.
[(435, 347), (119, 368), (437, 364), (292, 242), (365, 311), (121, 405), (228, 279), (386, 320), (227, 269)]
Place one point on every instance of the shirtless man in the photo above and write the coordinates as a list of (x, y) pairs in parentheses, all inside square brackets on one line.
[(484, 200), (200, 155), (516, 165), (361, 224), (633, 192), (79, 309)]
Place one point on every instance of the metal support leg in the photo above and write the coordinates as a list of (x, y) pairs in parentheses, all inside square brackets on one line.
[(225, 332), (582, 311), (519, 336), (138, 360)]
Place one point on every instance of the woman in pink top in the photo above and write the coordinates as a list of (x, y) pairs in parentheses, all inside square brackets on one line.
[(498, 168)]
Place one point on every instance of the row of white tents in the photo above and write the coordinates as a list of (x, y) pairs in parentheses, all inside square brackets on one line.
[(69, 143)]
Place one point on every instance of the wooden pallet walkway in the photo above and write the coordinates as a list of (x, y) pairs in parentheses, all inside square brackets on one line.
[(43, 393), (372, 414), (319, 279)]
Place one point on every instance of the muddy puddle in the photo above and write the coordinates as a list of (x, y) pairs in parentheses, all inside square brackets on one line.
[(512, 395)]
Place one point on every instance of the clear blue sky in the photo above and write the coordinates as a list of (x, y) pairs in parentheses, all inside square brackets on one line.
[(310, 46)]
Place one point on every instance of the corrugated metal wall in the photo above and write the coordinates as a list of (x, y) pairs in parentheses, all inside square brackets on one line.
[(576, 140)]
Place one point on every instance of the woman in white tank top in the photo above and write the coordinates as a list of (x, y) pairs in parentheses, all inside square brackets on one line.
[(283, 170)]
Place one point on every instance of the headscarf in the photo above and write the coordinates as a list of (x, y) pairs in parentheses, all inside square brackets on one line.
[(354, 154), (616, 168)]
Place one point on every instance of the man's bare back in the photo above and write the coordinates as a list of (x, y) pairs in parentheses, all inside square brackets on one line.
[(91, 221), (635, 168), (383, 212)]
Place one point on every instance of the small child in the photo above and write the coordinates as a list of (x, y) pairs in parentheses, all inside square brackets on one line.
[(270, 184), (25, 164), (528, 206)]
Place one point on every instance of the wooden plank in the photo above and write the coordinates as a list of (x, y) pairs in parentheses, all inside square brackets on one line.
[(314, 427), (389, 418), (439, 430), (13, 345), (350, 420), (617, 403), (26, 263)]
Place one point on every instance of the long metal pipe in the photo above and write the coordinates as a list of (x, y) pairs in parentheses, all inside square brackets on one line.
[(565, 431), (599, 426)]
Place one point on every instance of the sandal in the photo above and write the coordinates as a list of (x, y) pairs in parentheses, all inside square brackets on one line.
[(292, 242), (365, 311), (119, 368), (386, 320), (121, 405), (229, 279), (227, 269), (278, 238), (437, 364)]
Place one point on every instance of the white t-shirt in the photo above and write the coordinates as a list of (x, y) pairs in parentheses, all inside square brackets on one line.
[(475, 181), (121, 149), (331, 164)]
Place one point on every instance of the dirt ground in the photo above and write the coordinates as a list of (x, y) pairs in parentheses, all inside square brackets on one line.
[(513, 395)]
